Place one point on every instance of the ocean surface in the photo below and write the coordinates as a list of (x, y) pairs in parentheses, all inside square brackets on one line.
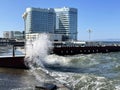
[(100, 71), (78, 72)]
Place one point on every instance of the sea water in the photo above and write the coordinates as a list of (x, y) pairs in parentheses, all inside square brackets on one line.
[(100, 71), (88, 72)]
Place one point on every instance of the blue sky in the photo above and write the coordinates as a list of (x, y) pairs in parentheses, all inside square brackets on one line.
[(101, 16)]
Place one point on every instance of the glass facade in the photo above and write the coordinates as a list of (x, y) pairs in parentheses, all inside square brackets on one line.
[(66, 23), (39, 20), (59, 21)]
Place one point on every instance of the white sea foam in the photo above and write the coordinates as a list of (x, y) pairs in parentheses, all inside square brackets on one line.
[(37, 56), (37, 50), (58, 60), (36, 53)]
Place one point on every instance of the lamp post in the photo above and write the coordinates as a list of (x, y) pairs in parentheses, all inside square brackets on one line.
[(89, 31)]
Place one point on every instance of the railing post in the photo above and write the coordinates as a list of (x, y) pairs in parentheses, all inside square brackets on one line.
[(13, 51)]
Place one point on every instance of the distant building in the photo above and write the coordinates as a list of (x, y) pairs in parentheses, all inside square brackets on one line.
[(52, 37), (13, 35), (60, 22), (66, 23)]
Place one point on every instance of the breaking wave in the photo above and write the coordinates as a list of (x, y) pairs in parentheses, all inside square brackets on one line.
[(78, 72)]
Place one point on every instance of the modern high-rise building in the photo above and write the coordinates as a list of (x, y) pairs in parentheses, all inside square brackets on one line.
[(59, 21), (66, 23), (38, 20)]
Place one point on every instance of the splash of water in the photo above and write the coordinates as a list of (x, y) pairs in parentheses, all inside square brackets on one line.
[(37, 50), (37, 56), (36, 53)]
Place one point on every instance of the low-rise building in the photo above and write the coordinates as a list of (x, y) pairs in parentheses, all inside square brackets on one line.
[(52, 37), (13, 35)]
